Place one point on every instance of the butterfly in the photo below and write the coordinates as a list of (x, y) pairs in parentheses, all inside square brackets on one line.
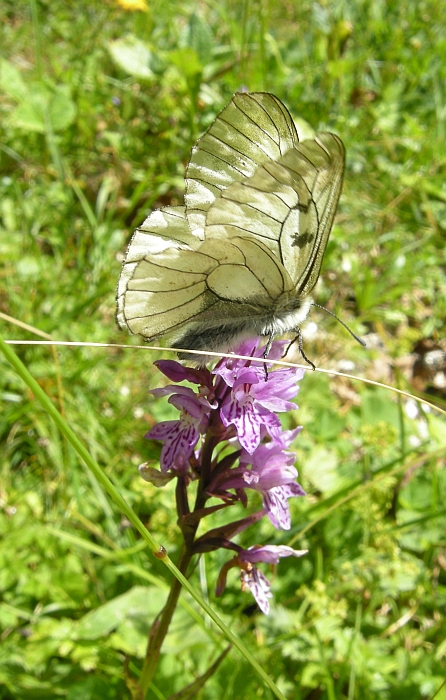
[(243, 254)]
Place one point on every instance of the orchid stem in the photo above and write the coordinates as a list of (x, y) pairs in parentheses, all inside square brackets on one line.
[(161, 625)]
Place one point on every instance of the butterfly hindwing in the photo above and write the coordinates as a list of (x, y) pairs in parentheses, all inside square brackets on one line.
[(168, 281), (163, 279)]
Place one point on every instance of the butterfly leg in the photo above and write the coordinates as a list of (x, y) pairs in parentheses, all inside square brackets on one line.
[(268, 345), (266, 352), (298, 337)]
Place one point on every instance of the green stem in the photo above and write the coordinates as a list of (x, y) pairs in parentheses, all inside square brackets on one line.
[(161, 625)]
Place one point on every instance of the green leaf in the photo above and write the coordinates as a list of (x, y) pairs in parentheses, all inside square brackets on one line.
[(321, 469), (133, 56), (28, 116), (62, 110), (90, 689), (43, 106), (139, 601), (376, 408), (187, 62), (11, 81), (200, 38), (130, 637), (28, 267)]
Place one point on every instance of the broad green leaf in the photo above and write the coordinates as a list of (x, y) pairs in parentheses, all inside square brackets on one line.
[(91, 688), (44, 107), (200, 38), (321, 469), (11, 81), (133, 56), (139, 601), (62, 110), (187, 61)]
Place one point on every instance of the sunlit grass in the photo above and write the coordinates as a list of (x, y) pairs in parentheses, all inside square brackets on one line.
[(88, 146)]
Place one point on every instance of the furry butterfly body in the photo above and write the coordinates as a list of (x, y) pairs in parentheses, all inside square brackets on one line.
[(242, 256)]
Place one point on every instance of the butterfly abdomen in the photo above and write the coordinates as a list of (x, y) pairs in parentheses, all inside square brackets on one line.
[(218, 335)]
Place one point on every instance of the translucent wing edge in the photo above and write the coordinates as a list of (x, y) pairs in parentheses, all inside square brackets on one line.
[(310, 273), (163, 228)]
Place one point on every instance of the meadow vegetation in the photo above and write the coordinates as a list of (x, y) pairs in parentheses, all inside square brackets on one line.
[(100, 103)]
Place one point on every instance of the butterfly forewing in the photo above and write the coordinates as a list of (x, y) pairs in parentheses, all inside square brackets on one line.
[(289, 204), (252, 129)]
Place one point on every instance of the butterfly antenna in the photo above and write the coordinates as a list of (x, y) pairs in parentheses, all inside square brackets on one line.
[(356, 337)]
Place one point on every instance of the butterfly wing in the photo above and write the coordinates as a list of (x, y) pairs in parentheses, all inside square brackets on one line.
[(288, 204), (171, 282), (246, 283), (324, 175), (163, 279), (252, 129)]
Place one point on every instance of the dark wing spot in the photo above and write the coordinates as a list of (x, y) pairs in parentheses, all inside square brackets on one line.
[(302, 240)]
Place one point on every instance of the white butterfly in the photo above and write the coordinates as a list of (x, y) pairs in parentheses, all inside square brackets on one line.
[(242, 256)]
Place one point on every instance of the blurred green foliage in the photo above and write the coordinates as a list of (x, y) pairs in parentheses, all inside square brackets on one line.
[(99, 108)]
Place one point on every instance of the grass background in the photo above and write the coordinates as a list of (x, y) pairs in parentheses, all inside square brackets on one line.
[(100, 104)]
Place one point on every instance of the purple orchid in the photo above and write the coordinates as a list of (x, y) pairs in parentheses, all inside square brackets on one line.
[(235, 408), (252, 578), (252, 402), (180, 436)]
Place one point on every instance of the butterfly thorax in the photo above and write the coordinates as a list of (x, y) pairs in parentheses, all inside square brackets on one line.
[(287, 319)]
